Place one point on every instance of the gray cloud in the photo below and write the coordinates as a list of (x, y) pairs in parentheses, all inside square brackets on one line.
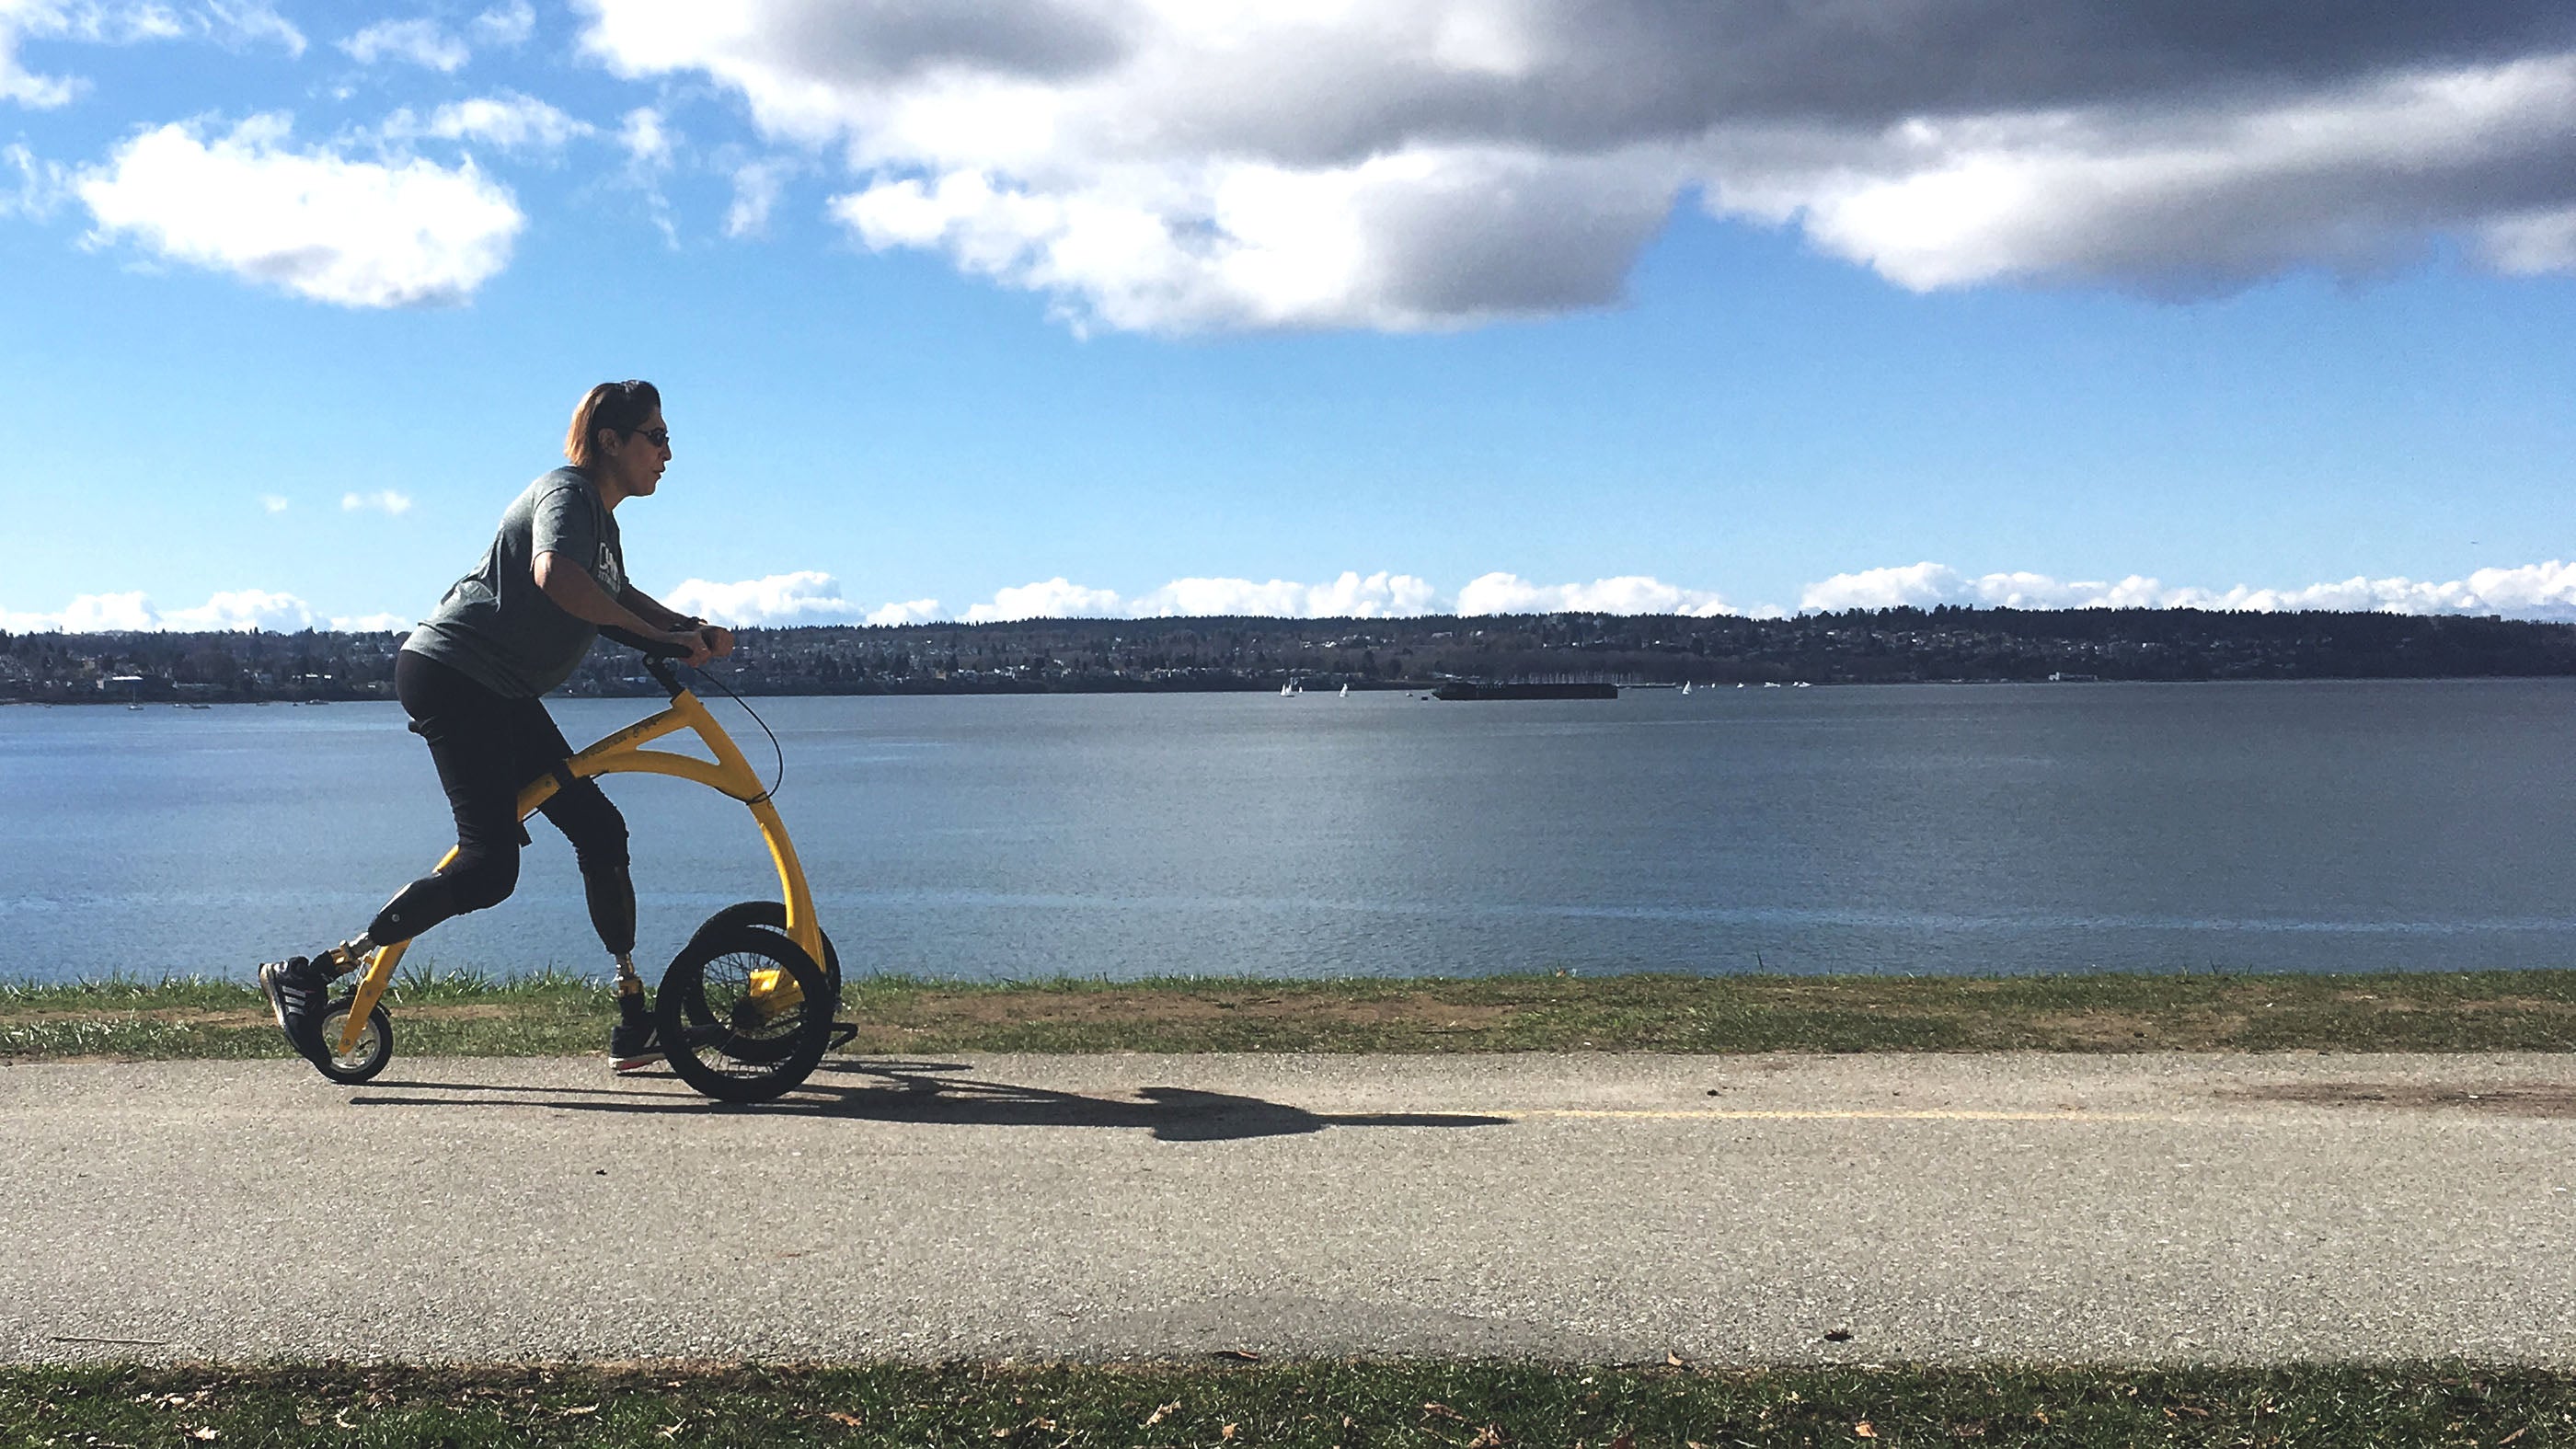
[(1604, 75), (836, 42), (1512, 236), (1869, 63), (1426, 163)]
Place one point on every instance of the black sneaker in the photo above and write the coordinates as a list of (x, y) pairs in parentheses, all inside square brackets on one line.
[(632, 1045), (296, 992)]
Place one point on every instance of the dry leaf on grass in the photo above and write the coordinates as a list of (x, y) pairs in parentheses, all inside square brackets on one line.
[(1156, 1417)]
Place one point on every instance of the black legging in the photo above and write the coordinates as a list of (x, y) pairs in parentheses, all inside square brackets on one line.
[(486, 748)]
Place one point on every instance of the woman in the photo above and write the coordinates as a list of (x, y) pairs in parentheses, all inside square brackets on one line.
[(472, 678)]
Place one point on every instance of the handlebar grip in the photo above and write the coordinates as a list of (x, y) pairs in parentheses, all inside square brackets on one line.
[(650, 648)]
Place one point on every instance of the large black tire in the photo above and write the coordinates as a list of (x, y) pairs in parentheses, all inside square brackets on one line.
[(768, 916), (772, 916), (724, 1039), (360, 1063)]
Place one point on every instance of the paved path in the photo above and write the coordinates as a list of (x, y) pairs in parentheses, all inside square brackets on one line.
[(1593, 1207)]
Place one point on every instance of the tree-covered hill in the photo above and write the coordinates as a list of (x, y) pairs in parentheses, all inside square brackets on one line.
[(1860, 646)]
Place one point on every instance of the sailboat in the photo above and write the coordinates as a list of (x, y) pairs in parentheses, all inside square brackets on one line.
[(1346, 692), (1685, 686)]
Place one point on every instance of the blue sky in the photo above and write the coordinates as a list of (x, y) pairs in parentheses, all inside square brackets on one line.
[(1130, 306)]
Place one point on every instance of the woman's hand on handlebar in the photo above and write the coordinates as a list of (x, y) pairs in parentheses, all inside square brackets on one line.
[(694, 641), (719, 639)]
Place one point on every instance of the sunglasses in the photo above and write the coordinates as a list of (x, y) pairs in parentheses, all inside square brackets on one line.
[(658, 437)]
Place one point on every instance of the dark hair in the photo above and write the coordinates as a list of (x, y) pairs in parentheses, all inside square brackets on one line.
[(620, 407)]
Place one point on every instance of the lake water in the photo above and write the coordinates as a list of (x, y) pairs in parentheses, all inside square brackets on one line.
[(1933, 829)]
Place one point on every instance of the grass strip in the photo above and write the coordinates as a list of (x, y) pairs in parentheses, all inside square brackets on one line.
[(1457, 1405), (466, 1014)]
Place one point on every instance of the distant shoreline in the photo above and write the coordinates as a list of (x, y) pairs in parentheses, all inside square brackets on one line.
[(1254, 655), (1421, 689)]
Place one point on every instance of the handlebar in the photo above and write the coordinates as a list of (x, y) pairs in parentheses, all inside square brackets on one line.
[(650, 648), (657, 653)]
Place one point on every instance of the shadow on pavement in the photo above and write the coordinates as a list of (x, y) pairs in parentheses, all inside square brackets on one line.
[(933, 1093)]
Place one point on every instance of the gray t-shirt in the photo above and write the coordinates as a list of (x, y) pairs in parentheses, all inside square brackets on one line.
[(496, 627)]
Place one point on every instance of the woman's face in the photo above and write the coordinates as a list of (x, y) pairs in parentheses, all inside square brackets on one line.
[(633, 463)]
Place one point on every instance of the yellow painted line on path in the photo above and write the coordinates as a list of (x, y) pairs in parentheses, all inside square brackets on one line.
[(1853, 1114)]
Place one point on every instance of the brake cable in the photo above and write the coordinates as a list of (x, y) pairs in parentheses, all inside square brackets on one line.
[(775, 749)]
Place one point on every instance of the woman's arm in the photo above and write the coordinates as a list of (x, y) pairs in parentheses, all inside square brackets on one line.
[(718, 638), (573, 589)]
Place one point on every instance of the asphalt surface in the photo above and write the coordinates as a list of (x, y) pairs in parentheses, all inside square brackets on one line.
[(1610, 1208)]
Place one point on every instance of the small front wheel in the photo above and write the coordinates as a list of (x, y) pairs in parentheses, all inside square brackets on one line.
[(364, 1058), (773, 916), (743, 1014)]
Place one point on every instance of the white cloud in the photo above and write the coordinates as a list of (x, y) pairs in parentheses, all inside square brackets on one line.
[(812, 597), (508, 120), (2530, 591), (1352, 595), (387, 501), (755, 193), (2534, 591), (1378, 595), (86, 614), (242, 609), (2540, 241), (21, 20), (1925, 584), (815, 598), (506, 25), (1420, 239), (240, 22), (272, 503), (646, 139), (909, 611), (1056, 598), (1167, 165), (352, 233), (2355, 180), (40, 188), (781, 599), (650, 145), (2543, 591), (422, 42), (231, 23), (1630, 594)]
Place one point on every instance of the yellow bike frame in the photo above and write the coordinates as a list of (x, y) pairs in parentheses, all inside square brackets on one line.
[(624, 752)]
